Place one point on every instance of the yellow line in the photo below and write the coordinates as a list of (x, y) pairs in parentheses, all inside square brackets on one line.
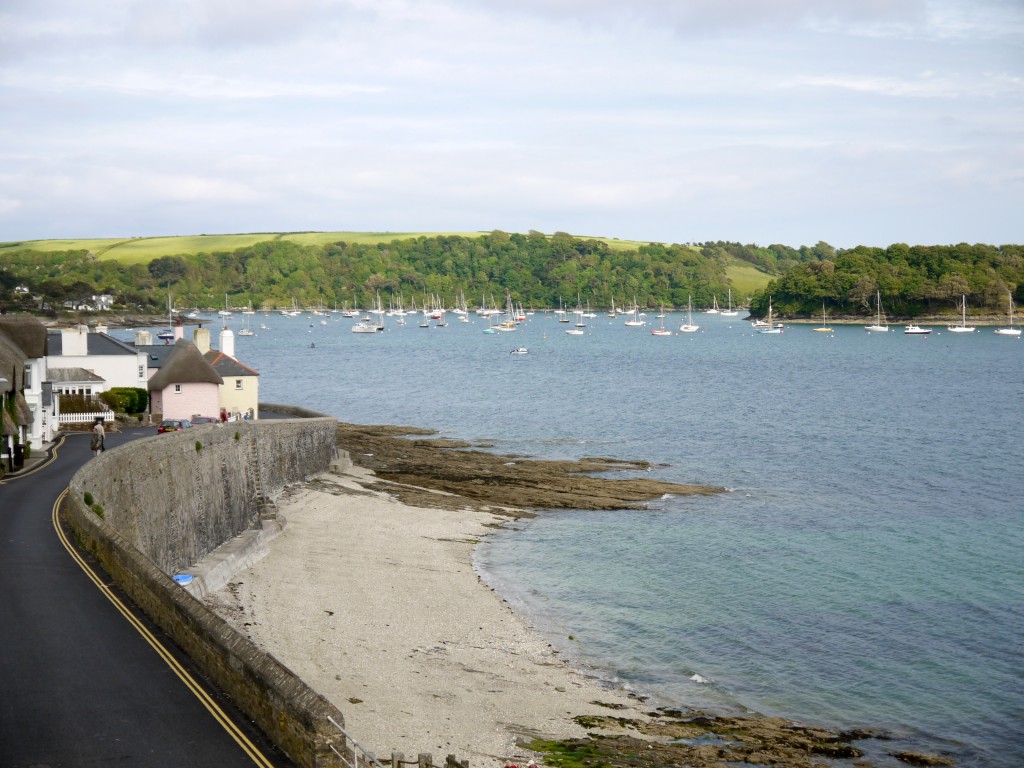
[(212, 707), (48, 462)]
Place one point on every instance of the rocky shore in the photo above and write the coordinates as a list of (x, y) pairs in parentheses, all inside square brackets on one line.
[(370, 596)]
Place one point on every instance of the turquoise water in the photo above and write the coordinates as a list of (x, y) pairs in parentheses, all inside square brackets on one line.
[(865, 568)]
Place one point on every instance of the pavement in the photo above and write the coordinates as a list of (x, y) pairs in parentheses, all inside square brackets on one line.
[(86, 679)]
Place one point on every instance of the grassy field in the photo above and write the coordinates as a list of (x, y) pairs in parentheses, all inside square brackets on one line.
[(134, 250)]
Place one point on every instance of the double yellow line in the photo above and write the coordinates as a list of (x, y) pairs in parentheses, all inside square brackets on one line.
[(211, 706)]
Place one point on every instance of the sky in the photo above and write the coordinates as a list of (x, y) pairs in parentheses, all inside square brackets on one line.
[(854, 122)]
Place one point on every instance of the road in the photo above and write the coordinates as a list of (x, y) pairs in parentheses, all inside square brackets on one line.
[(83, 681)]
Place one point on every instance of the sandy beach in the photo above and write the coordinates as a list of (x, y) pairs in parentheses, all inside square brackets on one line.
[(375, 604)]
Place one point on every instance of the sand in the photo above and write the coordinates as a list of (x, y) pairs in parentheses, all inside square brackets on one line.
[(375, 604)]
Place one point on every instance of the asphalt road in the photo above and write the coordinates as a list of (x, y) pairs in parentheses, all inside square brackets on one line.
[(81, 684)]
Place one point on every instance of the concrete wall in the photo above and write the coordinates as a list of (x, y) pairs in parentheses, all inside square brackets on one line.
[(165, 505)]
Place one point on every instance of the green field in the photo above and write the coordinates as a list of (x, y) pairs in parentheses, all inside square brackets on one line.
[(134, 250), (746, 279)]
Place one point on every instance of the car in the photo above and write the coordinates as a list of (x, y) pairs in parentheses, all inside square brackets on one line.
[(196, 420), (173, 425)]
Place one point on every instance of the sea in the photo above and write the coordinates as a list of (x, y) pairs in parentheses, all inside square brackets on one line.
[(863, 569)]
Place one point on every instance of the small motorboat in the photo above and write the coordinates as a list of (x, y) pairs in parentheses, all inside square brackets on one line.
[(520, 351), (917, 330)]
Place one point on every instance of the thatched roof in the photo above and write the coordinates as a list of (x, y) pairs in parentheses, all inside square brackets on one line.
[(12, 364), (7, 425), (185, 365), (22, 412), (26, 332)]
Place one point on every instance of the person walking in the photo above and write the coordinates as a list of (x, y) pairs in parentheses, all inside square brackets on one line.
[(96, 443)]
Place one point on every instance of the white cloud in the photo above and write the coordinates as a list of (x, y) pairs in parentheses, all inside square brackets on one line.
[(603, 116)]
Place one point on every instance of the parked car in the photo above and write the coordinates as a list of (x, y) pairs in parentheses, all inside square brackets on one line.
[(173, 425), (197, 420)]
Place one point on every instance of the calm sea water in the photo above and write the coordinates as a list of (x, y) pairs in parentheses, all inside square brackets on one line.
[(865, 568)]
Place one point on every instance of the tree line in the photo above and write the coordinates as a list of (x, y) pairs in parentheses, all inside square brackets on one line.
[(536, 269)]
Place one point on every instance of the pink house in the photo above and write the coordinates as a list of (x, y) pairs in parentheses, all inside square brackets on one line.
[(185, 385)]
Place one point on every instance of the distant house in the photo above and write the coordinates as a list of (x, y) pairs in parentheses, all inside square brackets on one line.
[(185, 385), (240, 392), (114, 363), (23, 347)]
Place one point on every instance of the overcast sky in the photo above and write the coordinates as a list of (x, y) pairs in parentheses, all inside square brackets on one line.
[(759, 121)]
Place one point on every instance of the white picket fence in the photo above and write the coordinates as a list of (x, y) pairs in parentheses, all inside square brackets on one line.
[(84, 418)]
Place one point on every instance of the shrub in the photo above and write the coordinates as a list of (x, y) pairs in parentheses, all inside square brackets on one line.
[(98, 511), (87, 498)]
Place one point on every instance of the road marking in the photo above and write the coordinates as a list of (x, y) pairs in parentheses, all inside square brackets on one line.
[(48, 462), (212, 707)]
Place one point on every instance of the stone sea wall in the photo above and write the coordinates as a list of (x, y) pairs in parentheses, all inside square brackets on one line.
[(176, 497), (167, 501)]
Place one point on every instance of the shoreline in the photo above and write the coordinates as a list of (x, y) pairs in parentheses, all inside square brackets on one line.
[(376, 605), (371, 596)]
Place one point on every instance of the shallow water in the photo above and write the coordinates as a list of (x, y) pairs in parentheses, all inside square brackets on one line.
[(865, 568)]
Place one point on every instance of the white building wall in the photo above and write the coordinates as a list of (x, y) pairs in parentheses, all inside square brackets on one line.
[(117, 370)]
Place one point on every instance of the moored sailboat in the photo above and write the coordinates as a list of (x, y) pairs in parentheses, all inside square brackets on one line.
[(1010, 331), (963, 327), (878, 327)]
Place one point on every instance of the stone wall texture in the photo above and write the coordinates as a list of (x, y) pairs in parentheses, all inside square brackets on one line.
[(169, 500), (178, 496)]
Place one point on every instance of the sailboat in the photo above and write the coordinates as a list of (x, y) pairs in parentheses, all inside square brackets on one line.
[(770, 327), (1011, 331), (246, 330), (877, 327), (823, 328), (963, 327), (714, 307), (168, 335), (688, 326), (661, 331), (224, 312), (730, 312), (634, 316)]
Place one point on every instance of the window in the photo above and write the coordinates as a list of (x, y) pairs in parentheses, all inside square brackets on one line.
[(142, 372), (28, 377), (238, 383), (177, 389)]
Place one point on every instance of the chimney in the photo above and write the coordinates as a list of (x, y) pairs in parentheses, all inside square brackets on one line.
[(201, 338), (74, 341), (179, 329), (227, 342), (143, 338)]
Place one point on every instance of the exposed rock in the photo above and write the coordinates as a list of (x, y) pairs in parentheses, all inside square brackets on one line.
[(486, 478), (922, 758)]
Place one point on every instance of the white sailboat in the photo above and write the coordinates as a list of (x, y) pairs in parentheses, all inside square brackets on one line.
[(714, 306), (877, 327), (823, 328), (634, 316), (963, 327), (1011, 331), (770, 327), (688, 326), (730, 312)]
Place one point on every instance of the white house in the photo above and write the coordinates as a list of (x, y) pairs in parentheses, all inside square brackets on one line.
[(114, 363), (23, 346)]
